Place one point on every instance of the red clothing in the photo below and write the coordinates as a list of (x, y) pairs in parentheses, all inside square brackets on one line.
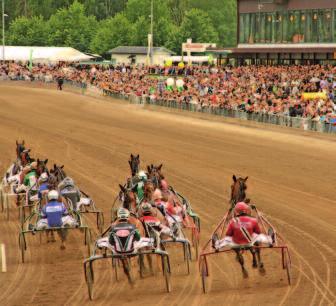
[(234, 228), (169, 207), (150, 220)]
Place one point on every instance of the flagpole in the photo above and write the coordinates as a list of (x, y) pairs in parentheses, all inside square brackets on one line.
[(3, 30)]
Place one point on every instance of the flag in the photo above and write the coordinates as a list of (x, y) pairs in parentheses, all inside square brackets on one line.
[(31, 60)]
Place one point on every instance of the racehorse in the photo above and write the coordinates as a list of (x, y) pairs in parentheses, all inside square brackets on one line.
[(238, 190), (42, 167), (155, 175), (58, 173), (20, 147), (134, 163), (238, 194), (128, 199)]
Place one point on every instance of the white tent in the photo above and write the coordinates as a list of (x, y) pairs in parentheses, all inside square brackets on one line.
[(43, 54)]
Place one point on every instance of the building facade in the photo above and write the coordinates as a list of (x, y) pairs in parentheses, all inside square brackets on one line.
[(287, 21), (283, 32)]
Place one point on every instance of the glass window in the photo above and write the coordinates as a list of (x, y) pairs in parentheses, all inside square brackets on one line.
[(327, 25), (241, 28), (308, 22), (314, 33), (278, 28)]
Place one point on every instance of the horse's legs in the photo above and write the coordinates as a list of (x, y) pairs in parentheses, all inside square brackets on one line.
[(260, 263), (127, 270), (47, 234), (241, 261), (254, 260), (62, 234)]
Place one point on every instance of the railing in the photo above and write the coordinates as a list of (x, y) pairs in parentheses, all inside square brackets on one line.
[(281, 120)]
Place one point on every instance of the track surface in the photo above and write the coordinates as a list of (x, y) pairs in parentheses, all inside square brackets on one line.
[(291, 179)]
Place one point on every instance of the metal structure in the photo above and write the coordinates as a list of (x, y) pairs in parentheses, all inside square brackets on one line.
[(29, 227), (126, 261), (266, 227)]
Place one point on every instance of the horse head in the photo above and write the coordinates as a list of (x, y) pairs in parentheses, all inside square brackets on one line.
[(19, 148), (134, 163), (155, 175), (25, 157), (148, 190), (52, 181), (238, 188), (42, 166), (127, 198), (58, 172)]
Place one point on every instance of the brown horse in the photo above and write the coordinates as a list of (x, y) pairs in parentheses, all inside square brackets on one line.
[(238, 190), (134, 163), (20, 147), (128, 199), (155, 175)]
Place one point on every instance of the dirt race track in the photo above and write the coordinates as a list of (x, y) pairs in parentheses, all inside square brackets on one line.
[(291, 179)]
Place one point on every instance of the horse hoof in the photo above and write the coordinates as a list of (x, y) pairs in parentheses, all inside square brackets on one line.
[(262, 270), (62, 247), (254, 265), (245, 274)]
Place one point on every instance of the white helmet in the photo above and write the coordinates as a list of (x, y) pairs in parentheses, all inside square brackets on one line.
[(44, 177), (157, 195), (142, 174), (123, 213), (53, 195)]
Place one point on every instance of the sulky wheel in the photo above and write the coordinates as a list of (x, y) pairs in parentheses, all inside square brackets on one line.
[(166, 273), (100, 222), (187, 256), (6, 206), (195, 243), (115, 268), (88, 240), (2, 200), (89, 279), (288, 268), (22, 246), (204, 275)]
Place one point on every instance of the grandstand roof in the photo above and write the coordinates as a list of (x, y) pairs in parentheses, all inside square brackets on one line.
[(279, 48), (43, 54), (137, 50)]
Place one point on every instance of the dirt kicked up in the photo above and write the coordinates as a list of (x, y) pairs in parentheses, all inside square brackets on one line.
[(291, 179)]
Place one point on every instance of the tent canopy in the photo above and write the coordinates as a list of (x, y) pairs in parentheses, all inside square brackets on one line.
[(43, 54)]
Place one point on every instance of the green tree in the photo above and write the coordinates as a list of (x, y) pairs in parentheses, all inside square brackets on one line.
[(142, 8), (72, 28), (198, 26), (112, 32), (177, 9), (25, 31), (223, 18)]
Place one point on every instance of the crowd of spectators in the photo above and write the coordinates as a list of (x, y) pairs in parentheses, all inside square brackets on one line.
[(251, 89)]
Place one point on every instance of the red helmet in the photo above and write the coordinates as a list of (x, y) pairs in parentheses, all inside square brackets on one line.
[(242, 208), (164, 185)]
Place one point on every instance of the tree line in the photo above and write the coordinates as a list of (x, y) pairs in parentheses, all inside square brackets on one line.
[(99, 25)]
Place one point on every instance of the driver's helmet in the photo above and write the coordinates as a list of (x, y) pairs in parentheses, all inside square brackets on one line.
[(146, 208), (33, 165), (53, 195), (242, 208), (123, 214), (164, 185), (157, 195), (142, 175), (44, 177)]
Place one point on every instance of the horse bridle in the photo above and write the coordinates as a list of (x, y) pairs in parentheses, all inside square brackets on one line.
[(241, 188)]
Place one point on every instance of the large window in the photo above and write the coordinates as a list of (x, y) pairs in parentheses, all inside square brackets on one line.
[(288, 26)]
